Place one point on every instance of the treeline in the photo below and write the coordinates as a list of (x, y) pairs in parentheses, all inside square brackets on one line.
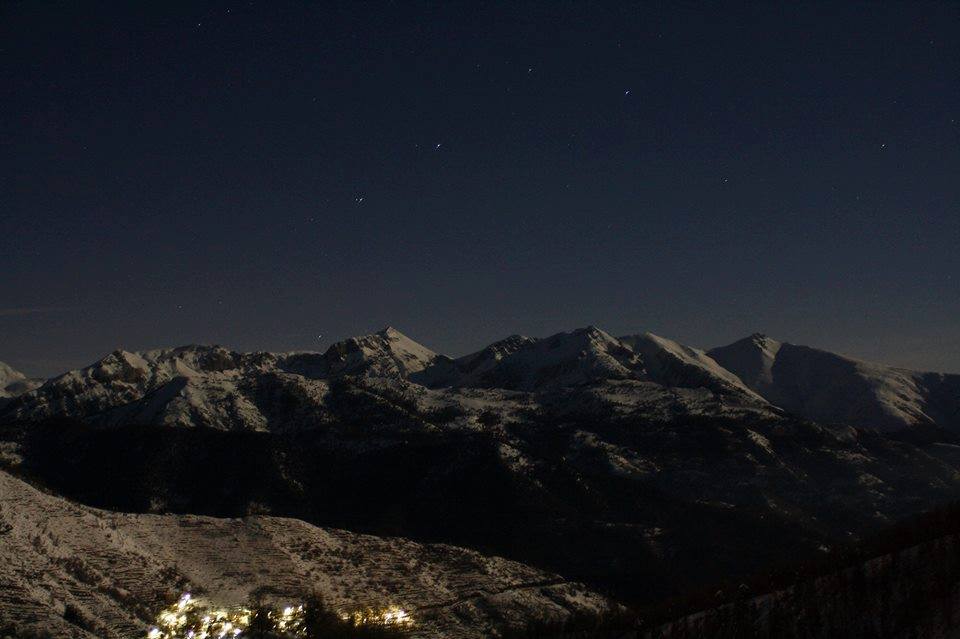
[(610, 624), (901, 582)]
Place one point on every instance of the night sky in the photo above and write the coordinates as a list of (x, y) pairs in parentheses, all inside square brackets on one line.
[(279, 175)]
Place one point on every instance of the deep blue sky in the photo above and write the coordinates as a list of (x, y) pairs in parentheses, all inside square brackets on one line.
[(193, 173)]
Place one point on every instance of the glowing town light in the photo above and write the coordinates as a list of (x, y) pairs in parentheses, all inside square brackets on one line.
[(190, 618), (396, 617), (390, 616)]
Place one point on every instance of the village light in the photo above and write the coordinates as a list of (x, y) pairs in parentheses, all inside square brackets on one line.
[(189, 618)]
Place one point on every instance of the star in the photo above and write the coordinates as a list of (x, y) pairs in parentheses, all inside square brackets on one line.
[(359, 199), (627, 92), (438, 146)]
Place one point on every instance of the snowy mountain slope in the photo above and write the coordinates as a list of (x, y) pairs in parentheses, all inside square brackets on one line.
[(832, 388), (750, 359), (387, 353), (81, 572), (13, 382), (470, 369), (187, 385), (212, 386), (670, 363), (566, 359)]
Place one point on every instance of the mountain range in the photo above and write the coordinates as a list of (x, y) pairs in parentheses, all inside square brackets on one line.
[(215, 387), (636, 466)]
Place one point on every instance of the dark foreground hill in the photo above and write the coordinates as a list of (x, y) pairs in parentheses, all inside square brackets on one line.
[(71, 571), (639, 508), (901, 584)]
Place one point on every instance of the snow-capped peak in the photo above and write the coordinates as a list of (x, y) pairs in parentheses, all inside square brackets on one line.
[(825, 386), (673, 364), (485, 359), (9, 374), (211, 385), (386, 353), (564, 359), (13, 382), (750, 359)]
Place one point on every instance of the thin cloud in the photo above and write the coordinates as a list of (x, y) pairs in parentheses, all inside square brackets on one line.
[(36, 310)]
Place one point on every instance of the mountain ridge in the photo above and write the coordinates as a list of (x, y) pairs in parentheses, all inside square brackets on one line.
[(829, 387), (214, 385)]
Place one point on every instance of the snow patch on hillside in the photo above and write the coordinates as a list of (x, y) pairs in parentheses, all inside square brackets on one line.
[(116, 571)]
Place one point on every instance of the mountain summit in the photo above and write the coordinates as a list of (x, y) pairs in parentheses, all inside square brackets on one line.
[(13, 382), (566, 359), (672, 364), (827, 387), (386, 353)]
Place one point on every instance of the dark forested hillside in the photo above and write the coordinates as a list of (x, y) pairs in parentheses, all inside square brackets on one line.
[(903, 582), (644, 510)]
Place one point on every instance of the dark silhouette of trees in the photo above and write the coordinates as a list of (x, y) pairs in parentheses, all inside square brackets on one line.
[(903, 582)]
